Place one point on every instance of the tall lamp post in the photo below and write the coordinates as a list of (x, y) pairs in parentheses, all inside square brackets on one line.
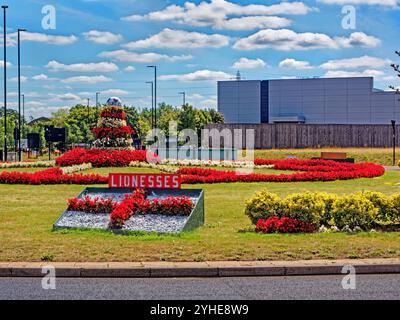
[(97, 103), (23, 115), (184, 97), (394, 141), (155, 94), (5, 79), (152, 103), (19, 95)]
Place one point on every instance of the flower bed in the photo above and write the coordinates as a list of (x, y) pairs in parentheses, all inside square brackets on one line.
[(359, 211), (113, 133), (315, 171), (50, 176), (27, 164), (103, 158), (135, 203), (284, 225)]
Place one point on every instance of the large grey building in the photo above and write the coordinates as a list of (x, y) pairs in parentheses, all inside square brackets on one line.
[(312, 101)]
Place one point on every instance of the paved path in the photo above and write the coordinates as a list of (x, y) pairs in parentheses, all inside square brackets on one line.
[(307, 287)]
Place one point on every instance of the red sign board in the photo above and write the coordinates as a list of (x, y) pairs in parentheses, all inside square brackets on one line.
[(144, 180)]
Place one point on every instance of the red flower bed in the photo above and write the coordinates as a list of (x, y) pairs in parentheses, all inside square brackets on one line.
[(96, 205), (113, 112), (315, 170), (102, 158), (50, 176), (113, 133), (284, 225), (137, 204)]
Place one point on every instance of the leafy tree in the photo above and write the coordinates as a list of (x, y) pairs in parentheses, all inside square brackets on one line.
[(396, 69)]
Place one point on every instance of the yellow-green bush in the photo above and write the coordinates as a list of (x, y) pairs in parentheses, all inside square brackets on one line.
[(263, 205), (309, 207), (395, 200), (354, 210), (384, 204)]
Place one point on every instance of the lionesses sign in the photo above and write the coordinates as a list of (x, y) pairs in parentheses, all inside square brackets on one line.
[(144, 180)]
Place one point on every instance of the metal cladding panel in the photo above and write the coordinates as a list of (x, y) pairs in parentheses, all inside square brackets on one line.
[(239, 101)]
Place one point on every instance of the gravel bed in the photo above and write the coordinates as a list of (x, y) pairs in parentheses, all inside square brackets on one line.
[(148, 223)]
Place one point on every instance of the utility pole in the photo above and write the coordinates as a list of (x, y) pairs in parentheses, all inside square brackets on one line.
[(19, 95), (23, 115), (5, 79), (155, 94), (184, 97), (152, 103)]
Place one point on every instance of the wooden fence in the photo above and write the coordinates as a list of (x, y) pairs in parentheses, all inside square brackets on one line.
[(281, 136)]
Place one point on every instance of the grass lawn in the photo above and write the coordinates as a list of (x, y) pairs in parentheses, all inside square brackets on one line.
[(27, 214), (383, 156)]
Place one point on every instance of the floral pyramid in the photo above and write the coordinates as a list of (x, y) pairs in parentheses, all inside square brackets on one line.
[(112, 131)]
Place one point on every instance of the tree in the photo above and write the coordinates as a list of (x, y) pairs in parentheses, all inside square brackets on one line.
[(396, 69)]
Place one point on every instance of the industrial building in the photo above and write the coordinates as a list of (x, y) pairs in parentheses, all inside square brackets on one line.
[(310, 101)]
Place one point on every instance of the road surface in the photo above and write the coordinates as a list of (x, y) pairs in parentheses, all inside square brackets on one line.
[(310, 287)]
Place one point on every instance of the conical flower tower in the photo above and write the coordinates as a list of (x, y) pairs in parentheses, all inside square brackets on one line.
[(112, 131)]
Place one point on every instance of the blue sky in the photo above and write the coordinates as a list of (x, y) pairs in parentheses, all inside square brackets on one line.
[(105, 46)]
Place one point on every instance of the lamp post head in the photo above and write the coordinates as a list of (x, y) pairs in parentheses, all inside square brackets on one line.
[(4, 7), (22, 30)]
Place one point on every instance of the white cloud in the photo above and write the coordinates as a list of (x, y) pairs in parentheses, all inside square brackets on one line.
[(360, 62), (169, 38), (126, 56), (8, 64), (15, 79), (388, 3), (114, 92), (253, 22), (200, 75), (286, 40), (102, 37), (344, 74), (83, 67), (130, 69), (217, 13), (86, 79), (295, 64), (42, 37), (65, 97), (245, 63)]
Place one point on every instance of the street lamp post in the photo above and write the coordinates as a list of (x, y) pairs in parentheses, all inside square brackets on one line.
[(152, 103), (184, 97), (97, 103), (19, 95), (155, 94), (23, 115), (5, 79), (394, 141)]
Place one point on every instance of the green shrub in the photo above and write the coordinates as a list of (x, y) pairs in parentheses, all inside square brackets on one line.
[(308, 207), (263, 205), (354, 211), (329, 199), (395, 200), (383, 203)]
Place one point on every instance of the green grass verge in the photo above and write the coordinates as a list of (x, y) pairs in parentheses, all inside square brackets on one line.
[(27, 214)]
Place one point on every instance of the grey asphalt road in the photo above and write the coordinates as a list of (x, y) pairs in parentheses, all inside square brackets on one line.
[(310, 287)]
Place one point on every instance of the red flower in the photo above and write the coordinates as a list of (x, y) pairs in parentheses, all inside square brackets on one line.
[(113, 133), (103, 158), (137, 204), (284, 225), (113, 112)]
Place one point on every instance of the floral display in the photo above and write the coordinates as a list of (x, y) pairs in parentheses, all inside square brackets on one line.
[(92, 205), (112, 131), (284, 225), (104, 158), (50, 176), (326, 211), (27, 164), (337, 172), (77, 168), (136, 203)]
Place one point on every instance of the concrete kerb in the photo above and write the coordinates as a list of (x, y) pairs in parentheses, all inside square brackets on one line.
[(200, 269)]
